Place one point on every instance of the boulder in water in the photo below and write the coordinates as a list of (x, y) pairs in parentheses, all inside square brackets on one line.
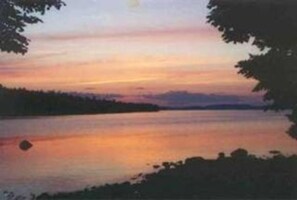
[(25, 145)]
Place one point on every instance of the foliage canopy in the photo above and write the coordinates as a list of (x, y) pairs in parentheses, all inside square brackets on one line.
[(15, 15), (270, 25)]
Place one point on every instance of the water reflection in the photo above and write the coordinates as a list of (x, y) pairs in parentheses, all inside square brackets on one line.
[(73, 152)]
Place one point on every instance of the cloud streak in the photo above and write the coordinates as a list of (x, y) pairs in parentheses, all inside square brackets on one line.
[(116, 81), (174, 33)]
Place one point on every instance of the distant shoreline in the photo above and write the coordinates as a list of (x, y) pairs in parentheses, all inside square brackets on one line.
[(21, 102), (216, 107), (65, 115)]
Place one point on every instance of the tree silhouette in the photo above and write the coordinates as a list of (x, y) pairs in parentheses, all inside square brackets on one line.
[(15, 15), (22, 102), (270, 25)]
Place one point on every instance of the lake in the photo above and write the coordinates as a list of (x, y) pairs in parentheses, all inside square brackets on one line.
[(73, 152)]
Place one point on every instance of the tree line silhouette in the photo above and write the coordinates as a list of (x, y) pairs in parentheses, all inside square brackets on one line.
[(20, 102)]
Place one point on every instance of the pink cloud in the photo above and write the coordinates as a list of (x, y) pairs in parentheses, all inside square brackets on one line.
[(178, 32)]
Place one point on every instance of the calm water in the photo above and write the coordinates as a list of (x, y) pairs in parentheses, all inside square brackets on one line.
[(73, 152)]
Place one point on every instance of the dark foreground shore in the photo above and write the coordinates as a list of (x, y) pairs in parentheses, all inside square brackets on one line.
[(239, 175)]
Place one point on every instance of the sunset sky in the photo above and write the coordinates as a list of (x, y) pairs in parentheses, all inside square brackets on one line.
[(158, 51)]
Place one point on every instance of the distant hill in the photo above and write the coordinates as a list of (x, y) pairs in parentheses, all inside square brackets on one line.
[(218, 107), (22, 102)]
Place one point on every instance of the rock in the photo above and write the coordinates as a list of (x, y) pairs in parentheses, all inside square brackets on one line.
[(166, 165), (156, 166), (239, 154), (221, 155), (25, 145), (194, 161), (275, 152)]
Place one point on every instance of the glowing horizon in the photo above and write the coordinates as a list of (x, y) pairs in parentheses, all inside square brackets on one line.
[(119, 46)]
